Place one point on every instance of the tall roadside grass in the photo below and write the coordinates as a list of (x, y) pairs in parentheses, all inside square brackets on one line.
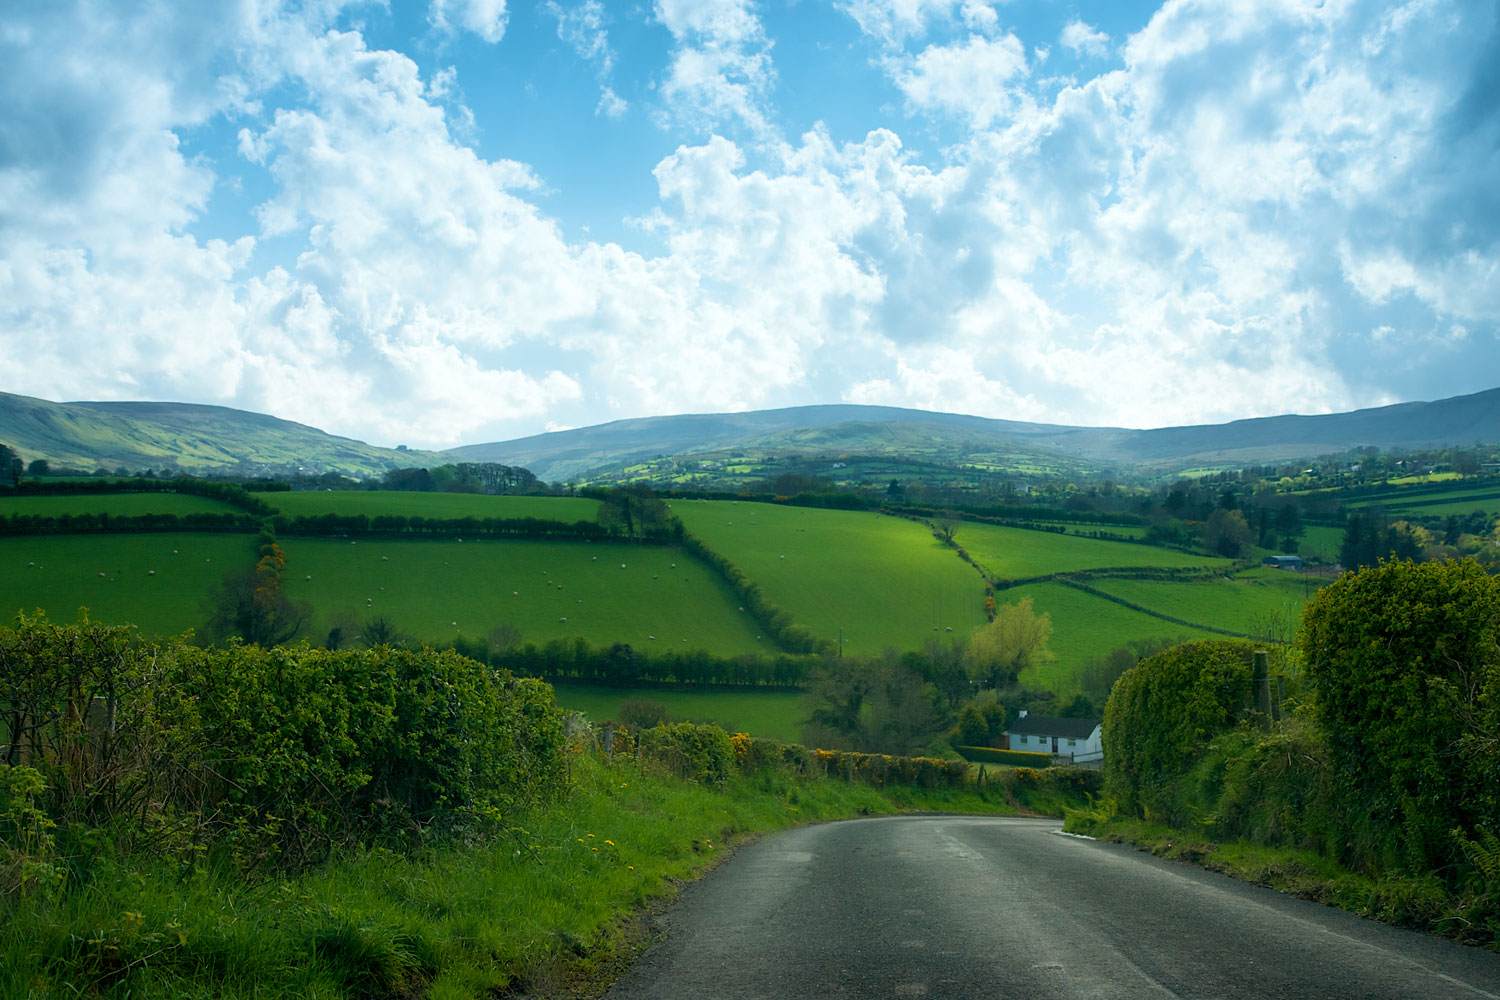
[(547, 902)]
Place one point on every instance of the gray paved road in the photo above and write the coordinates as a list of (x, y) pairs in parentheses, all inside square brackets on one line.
[(960, 907)]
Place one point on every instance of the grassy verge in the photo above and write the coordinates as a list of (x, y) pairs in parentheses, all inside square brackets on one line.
[(547, 907), (1405, 901)]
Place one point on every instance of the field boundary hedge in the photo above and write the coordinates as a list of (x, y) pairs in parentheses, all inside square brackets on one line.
[(994, 755), (791, 637)]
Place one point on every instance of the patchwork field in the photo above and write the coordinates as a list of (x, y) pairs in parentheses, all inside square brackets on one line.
[(1086, 627), (113, 504), (1434, 502), (158, 582), (373, 503), (1247, 603), (600, 592), (885, 581), (774, 714), (1016, 553)]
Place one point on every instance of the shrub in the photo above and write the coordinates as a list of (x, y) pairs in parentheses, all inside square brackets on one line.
[(695, 752), (1162, 713), (1404, 664)]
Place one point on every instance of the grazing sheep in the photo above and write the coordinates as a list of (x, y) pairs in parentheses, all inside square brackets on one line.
[(650, 637), (385, 558), (101, 574), (150, 572), (562, 619)]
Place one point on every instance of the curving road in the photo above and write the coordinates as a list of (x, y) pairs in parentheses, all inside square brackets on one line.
[(960, 906)]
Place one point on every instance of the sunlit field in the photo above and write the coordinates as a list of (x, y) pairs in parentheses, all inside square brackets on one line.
[(883, 581), (1017, 553), (648, 596), (159, 582), (373, 503)]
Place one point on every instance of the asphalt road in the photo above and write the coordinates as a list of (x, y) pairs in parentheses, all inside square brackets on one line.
[(957, 906)]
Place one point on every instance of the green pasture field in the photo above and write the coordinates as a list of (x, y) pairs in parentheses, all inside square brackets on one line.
[(61, 573), (1075, 528), (885, 581), (774, 715), (1016, 553), (424, 586), (1418, 500), (1442, 508), (113, 504), (1085, 627), (373, 503), (1247, 603), (1323, 540)]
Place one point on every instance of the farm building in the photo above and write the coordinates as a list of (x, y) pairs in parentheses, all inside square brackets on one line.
[(1283, 562), (1076, 739)]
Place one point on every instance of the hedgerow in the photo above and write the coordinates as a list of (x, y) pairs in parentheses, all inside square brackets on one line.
[(266, 758)]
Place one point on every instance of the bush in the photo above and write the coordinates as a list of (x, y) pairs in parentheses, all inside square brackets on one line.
[(1163, 712), (1404, 664), (274, 755), (695, 752)]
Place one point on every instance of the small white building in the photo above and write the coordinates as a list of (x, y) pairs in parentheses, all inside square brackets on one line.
[(1075, 740)]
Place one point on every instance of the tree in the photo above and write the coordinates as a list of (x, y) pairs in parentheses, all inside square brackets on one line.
[(10, 466), (255, 609), (38, 468), (633, 511), (1015, 641), (1226, 533), (946, 524)]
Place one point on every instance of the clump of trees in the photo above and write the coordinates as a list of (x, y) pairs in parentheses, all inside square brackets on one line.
[(968, 691)]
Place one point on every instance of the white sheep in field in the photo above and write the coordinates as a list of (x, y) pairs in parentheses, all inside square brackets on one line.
[(562, 619)]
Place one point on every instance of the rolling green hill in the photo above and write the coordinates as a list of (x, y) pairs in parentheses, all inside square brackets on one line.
[(186, 436)]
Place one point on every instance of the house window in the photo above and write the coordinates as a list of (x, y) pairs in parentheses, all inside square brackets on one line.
[(1023, 739), (1072, 743)]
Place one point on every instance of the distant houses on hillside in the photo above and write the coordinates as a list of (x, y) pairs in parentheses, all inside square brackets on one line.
[(1075, 739)]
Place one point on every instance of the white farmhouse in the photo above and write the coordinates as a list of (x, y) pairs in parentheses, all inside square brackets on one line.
[(1077, 740)]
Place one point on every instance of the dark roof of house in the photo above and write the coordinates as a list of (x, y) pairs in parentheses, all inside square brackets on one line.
[(1041, 725)]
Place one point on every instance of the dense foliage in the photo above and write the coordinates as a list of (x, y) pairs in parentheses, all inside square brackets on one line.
[(267, 757), (1391, 766), (1161, 714), (1404, 666)]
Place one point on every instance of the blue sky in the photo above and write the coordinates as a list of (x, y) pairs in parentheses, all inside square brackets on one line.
[(453, 221)]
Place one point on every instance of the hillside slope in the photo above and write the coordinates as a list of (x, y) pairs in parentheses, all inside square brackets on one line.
[(189, 436)]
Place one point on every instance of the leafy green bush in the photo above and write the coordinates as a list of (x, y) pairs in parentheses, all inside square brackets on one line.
[(696, 752), (1404, 664), (275, 756), (1163, 712)]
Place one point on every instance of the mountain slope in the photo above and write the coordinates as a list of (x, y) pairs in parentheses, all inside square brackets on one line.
[(189, 436)]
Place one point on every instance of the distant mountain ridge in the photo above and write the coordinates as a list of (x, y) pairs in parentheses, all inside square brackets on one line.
[(564, 455), (196, 437)]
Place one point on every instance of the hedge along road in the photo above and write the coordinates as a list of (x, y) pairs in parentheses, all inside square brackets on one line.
[(960, 906)]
